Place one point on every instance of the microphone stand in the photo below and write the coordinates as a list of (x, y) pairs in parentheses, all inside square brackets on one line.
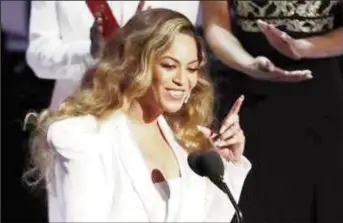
[(220, 183)]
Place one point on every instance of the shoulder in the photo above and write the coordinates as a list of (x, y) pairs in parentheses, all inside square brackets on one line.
[(74, 136), (75, 125), (84, 135), (87, 124)]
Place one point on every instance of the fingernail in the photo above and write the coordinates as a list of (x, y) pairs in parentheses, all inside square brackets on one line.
[(283, 35), (260, 21), (260, 24), (216, 144), (221, 130), (207, 132), (219, 143)]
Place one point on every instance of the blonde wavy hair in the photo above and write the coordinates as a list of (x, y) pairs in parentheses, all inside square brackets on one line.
[(123, 74)]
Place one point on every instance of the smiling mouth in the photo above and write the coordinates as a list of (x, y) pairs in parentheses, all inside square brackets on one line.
[(176, 94)]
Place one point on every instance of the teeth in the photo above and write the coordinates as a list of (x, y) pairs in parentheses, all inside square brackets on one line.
[(176, 94)]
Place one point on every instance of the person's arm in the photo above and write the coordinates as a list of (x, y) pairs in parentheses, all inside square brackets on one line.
[(216, 22), (83, 191), (228, 49), (47, 54), (327, 45)]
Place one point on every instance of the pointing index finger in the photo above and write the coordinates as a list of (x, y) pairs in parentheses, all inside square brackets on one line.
[(236, 106), (233, 111)]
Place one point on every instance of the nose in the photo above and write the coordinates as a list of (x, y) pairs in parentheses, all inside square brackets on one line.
[(181, 77)]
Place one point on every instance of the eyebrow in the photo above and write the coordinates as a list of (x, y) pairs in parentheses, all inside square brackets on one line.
[(177, 61)]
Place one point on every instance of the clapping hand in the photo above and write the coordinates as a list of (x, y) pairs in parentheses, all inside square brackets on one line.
[(282, 42), (96, 35), (230, 140), (262, 68)]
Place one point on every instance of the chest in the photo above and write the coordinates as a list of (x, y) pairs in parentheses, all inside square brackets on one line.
[(134, 196), (157, 153), (135, 193)]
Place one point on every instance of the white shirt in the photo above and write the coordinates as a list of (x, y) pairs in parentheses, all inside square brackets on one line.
[(100, 175), (59, 38), (170, 192)]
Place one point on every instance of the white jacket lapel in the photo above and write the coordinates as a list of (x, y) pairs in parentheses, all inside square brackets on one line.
[(135, 167), (190, 204), (192, 198)]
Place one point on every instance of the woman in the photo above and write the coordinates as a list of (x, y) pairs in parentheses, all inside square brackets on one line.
[(118, 146), (275, 43)]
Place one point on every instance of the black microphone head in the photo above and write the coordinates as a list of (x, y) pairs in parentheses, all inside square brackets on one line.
[(207, 163)]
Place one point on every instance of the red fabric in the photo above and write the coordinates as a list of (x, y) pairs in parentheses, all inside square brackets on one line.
[(110, 24), (140, 6)]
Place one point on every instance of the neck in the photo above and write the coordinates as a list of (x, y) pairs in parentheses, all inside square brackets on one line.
[(141, 112)]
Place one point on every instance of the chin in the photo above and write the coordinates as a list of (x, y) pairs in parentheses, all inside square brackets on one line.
[(172, 107)]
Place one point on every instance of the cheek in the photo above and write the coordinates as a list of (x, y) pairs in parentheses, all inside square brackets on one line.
[(161, 76), (160, 79)]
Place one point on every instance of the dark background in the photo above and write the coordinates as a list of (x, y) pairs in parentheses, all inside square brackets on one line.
[(21, 92)]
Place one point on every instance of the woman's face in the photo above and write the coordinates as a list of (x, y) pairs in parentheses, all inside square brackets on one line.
[(175, 73)]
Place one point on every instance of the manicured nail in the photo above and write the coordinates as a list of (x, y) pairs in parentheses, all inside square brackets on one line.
[(207, 132)]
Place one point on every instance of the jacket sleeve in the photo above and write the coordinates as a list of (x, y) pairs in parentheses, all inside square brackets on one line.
[(235, 174), (218, 207), (47, 54), (83, 192)]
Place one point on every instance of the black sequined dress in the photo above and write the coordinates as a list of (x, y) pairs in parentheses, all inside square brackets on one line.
[(294, 131)]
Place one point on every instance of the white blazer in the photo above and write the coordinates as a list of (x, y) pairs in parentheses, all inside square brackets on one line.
[(100, 175), (59, 38)]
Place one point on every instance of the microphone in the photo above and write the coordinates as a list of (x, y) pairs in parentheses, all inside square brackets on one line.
[(209, 164)]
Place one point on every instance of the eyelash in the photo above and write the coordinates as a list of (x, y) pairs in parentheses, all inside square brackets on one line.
[(169, 67), (193, 70)]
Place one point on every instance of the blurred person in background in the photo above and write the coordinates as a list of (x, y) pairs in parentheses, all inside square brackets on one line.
[(65, 38), (284, 56)]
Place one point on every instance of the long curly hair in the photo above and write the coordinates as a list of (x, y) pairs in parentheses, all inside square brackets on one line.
[(123, 74)]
